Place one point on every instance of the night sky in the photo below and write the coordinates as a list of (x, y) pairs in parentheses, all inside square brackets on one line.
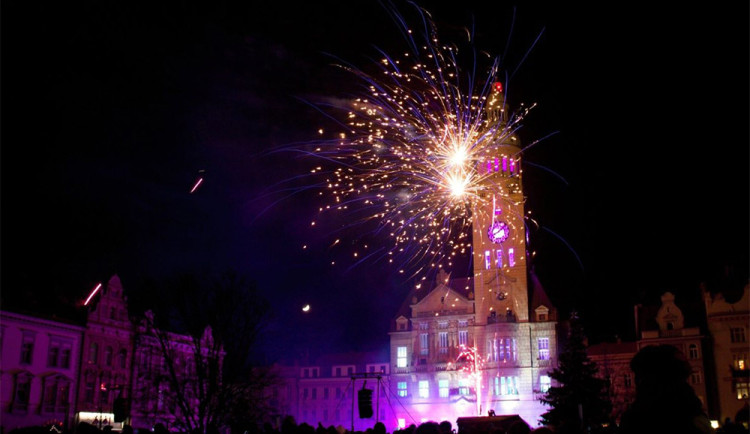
[(112, 110)]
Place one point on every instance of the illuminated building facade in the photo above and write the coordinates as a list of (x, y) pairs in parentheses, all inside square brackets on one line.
[(613, 363), (469, 347), (160, 382), (728, 326), (106, 357), (326, 391), (39, 371)]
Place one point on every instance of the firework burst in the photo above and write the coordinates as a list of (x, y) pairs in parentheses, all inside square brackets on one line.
[(414, 153)]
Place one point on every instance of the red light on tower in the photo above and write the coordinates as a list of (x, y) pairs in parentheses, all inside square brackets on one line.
[(498, 87)]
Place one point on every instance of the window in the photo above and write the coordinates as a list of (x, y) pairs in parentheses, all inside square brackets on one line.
[(402, 391), (424, 389), (742, 389), (122, 358), (424, 349), (325, 414), (443, 337), (463, 386), (544, 383), (443, 388), (487, 259), (499, 258), (88, 392), (93, 353), (695, 378), (463, 323), (739, 361), (305, 393), (315, 393), (506, 385), (693, 351), (338, 392), (401, 357), (27, 348), (543, 345), (511, 257), (463, 337), (21, 392), (56, 390), (336, 372), (737, 334), (108, 356), (53, 353), (627, 380), (349, 370), (401, 423), (325, 393), (424, 326)]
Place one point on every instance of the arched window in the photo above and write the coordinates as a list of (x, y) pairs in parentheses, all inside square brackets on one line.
[(93, 352)]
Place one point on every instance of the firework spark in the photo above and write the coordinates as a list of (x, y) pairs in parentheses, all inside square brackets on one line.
[(418, 149), (471, 363)]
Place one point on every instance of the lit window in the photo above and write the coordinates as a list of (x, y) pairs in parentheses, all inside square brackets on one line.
[(739, 361), (508, 386), (505, 164), (463, 337), (424, 349), (499, 258), (443, 338), (512, 166), (544, 383), (737, 334), (511, 257), (543, 345), (424, 326), (424, 389), (497, 164), (400, 357), (463, 386), (489, 166), (443, 388), (487, 260), (402, 391), (742, 389)]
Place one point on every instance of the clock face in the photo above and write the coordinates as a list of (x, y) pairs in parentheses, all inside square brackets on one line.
[(498, 232)]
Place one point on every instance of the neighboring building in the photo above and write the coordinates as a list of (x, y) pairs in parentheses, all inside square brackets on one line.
[(107, 353), (39, 371), (163, 384), (63, 373), (727, 324), (613, 364), (501, 315), (671, 330), (327, 391)]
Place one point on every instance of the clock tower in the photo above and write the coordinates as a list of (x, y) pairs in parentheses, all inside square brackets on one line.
[(498, 230)]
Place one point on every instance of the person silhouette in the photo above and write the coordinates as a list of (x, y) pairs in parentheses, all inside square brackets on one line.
[(664, 401)]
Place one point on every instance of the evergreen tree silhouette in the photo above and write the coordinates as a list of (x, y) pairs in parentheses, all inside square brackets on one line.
[(579, 401)]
